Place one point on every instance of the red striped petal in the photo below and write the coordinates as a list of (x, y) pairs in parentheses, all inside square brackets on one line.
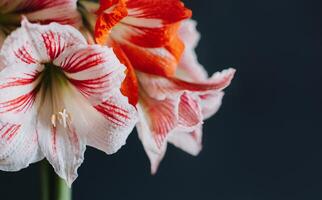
[(116, 111), (154, 152), (160, 87), (47, 11), (38, 44), (18, 145), (18, 89), (119, 118), (94, 70), (152, 24), (189, 111), (161, 115)]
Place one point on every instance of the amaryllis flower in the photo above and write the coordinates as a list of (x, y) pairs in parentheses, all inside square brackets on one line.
[(194, 105), (57, 95), (144, 35), (42, 11)]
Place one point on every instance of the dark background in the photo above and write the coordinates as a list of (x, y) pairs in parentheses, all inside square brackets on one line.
[(264, 143)]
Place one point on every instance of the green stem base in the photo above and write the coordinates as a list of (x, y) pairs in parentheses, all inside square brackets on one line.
[(52, 186)]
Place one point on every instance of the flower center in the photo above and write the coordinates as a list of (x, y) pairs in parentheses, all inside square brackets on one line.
[(53, 75), (53, 83)]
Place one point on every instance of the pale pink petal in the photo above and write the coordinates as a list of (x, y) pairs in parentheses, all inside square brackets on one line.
[(189, 142), (189, 34), (153, 151), (18, 145), (210, 103), (189, 68), (161, 87)]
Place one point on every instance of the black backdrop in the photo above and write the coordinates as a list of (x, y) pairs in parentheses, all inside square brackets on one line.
[(264, 143)]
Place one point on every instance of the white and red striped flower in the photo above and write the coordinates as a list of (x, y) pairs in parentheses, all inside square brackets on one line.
[(171, 92), (197, 98), (40, 11), (57, 95)]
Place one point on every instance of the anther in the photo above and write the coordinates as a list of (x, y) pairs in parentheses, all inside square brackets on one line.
[(53, 120)]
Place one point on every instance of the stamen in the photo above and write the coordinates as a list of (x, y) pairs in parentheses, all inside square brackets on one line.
[(63, 118), (53, 120)]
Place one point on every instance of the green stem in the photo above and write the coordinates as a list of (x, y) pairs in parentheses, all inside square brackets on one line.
[(52, 186)]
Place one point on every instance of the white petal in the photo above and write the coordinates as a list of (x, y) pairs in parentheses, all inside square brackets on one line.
[(160, 87), (120, 118), (34, 43), (189, 34), (189, 142), (18, 92), (210, 103), (18, 145), (63, 146), (162, 116), (154, 153), (94, 70), (46, 11)]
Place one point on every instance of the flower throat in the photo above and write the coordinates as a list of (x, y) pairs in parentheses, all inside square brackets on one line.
[(53, 81)]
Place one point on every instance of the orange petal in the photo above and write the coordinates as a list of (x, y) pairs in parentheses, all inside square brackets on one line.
[(129, 86), (169, 11), (109, 14), (149, 37), (176, 47), (157, 61)]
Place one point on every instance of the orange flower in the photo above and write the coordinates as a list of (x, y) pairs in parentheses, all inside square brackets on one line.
[(143, 33), (170, 100)]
